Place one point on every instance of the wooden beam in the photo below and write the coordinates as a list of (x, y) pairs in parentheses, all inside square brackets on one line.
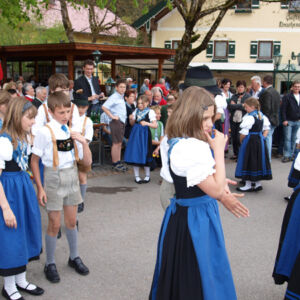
[(4, 68), (113, 68), (70, 59), (36, 71), (160, 67), (53, 67), (20, 69)]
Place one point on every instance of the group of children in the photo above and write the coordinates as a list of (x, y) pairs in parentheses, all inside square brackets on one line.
[(57, 135)]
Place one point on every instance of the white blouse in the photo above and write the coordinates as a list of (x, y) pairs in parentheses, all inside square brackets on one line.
[(221, 103), (192, 158), (6, 151), (152, 115), (248, 122)]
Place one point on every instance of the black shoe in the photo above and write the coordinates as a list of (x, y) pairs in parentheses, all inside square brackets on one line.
[(59, 233), (79, 266), (286, 159), (257, 189), (80, 208), (51, 273), (287, 198), (5, 295), (138, 181), (146, 181), (234, 157), (244, 191), (36, 292)]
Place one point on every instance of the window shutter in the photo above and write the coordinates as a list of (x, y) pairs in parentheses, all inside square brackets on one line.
[(276, 47), (253, 49), (255, 4), (168, 44), (284, 4), (210, 49), (231, 49)]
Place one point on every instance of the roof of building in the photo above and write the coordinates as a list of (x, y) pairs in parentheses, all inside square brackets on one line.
[(79, 17), (151, 14)]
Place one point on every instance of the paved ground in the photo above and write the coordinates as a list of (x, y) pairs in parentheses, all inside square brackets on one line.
[(118, 235)]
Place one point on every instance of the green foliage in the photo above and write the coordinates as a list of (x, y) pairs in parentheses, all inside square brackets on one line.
[(28, 33)]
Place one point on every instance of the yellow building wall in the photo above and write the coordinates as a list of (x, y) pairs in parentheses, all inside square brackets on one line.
[(87, 38), (268, 22)]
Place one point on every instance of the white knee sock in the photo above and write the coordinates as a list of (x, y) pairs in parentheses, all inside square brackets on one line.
[(11, 288), (23, 283), (136, 171), (257, 184), (247, 186), (147, 173)]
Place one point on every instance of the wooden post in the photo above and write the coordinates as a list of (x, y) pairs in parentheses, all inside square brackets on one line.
[(113, 68), (160, 67), (36, 71), (53, 69), (4, 68), (70, 59), (20, 68)]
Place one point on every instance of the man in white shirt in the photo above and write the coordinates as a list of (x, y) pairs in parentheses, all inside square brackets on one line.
[(256, 88)]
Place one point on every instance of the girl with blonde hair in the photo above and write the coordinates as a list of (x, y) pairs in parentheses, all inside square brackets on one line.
[(20, 220)]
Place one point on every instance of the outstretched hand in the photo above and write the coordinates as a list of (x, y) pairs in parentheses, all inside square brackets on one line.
[(231, 203)]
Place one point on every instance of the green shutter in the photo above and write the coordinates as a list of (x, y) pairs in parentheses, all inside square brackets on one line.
[(276, 47), (168, 44), (231, 49), (255, 4), (284, 4), (253, 49), (210, 49)]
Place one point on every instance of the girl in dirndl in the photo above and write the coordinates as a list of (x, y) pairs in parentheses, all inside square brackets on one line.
[(253, 162), (20, 220), (192, 262), (287, 264), (139, 147)]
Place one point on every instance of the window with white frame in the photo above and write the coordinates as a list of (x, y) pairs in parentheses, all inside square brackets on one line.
[(265, 50)]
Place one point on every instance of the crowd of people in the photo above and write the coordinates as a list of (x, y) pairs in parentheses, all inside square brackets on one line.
[(186, 131)]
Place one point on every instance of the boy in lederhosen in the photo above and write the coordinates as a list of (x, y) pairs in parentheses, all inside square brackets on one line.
[(59, 148)]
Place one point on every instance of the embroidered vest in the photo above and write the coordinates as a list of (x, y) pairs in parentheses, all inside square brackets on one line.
[(61, 145)]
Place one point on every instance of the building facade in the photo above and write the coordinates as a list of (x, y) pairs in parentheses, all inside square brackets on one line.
[(245, 44)]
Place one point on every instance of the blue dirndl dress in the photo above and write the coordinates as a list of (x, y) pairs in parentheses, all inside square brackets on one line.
[(139, 146), (20, 245), (192, 262), (253, 162)]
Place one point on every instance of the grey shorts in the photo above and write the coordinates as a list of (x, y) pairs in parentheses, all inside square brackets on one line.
[(167, 191), (62, 188)]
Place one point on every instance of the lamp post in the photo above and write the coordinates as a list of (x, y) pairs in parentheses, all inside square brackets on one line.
[(290, 67), (97, 55)]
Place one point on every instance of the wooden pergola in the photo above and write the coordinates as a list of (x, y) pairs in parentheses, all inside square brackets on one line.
[(71, 52)]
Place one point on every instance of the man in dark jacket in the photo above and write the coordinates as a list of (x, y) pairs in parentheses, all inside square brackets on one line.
[(269, 104), (290, 111), (88, 86)]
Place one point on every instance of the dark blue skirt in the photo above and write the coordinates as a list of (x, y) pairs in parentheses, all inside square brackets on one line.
[(138, 149), (18, 246), (253, 161), (287, 265), (192, 262)]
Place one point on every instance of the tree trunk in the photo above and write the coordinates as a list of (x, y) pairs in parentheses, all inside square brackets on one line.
[(66, 21)]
